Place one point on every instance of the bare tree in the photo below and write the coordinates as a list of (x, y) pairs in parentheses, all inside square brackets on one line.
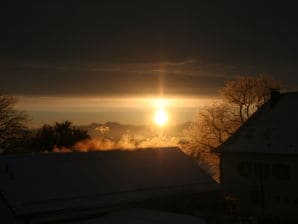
[(246, 94), (12, 124), (211, 127), (216, 122)]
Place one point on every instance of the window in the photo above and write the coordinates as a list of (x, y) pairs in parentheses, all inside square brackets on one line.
[(245, 169), (248, 169), (264, 170), (256, 197), (277, 199), (281, 171)]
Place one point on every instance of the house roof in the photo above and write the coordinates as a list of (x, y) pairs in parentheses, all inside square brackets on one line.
[(39, 183), (143, 216), (272, 129)]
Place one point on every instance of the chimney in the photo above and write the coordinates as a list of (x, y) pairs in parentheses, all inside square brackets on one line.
[(274, 97)]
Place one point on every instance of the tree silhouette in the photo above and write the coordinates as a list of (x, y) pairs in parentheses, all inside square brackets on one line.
[(13, 130), (59, 135), (217, 121), (246, 94)]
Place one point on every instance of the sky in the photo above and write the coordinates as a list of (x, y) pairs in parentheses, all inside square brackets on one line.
[(76, 52)]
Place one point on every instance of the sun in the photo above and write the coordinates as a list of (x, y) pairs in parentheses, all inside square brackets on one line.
[(161, 117)]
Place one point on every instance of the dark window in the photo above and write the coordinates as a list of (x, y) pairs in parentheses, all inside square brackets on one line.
[(266, 170), (262, 170), (258, 169), (281, 171), (286, 200), (256, 197), (277, 199), (245, 169)]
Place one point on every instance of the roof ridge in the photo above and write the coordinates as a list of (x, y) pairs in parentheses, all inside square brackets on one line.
[(267, 129)]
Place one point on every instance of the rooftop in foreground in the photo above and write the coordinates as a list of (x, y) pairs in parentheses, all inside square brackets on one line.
[(41, 183)]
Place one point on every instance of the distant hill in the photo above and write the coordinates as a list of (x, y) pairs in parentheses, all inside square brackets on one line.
[(115, 130)]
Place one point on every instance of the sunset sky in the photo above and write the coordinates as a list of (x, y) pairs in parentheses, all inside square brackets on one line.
[(90, 61)]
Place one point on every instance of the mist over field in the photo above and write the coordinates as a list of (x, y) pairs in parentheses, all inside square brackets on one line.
[(113, 135)]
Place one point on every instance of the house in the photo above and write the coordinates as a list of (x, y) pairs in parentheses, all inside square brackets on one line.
[(259, 163), (65, 187)]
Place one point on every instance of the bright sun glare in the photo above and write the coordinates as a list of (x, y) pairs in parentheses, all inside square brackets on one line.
[(160, 117)]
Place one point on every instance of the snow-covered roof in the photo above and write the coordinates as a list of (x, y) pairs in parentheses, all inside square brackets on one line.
[(143, 216), (39, 183), (272, 129)]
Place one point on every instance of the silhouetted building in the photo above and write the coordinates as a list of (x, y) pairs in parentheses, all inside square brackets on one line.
[(259, 163), (69, 187)]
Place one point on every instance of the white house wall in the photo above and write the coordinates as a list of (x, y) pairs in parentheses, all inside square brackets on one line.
[(278, 189)]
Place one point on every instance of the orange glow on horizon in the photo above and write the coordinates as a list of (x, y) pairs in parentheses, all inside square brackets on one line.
[(70, 104)]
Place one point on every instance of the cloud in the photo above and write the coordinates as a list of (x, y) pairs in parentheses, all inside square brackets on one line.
[(184, 77)]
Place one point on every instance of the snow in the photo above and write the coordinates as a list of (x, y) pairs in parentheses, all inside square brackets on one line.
[(6, 215), (272, 129), (36, 183), (142, 216)]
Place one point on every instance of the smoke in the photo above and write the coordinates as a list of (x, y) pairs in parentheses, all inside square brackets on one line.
[(62, 149), (126, 142), (94, 145)]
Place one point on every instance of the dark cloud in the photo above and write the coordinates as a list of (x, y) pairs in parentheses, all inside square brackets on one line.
[(89, 47), (183, 77), (180, 77)]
